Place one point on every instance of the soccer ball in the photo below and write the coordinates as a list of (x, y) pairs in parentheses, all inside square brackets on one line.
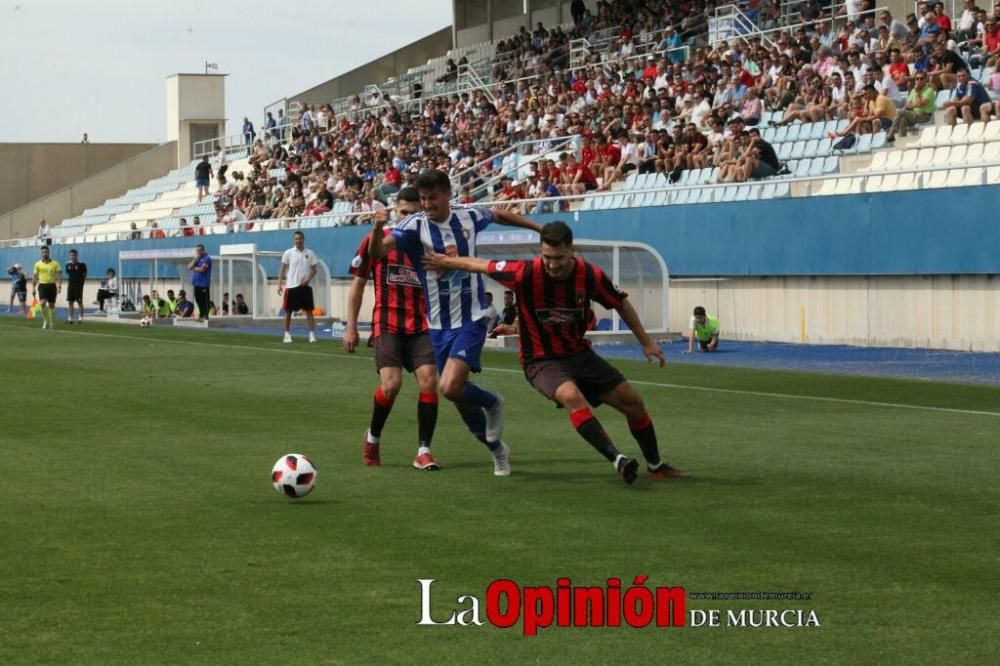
[(294, 475), (145, 322)]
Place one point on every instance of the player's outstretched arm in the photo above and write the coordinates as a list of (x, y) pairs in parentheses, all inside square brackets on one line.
[(442, 262), (512, 219), (649, 348), (380, 244)]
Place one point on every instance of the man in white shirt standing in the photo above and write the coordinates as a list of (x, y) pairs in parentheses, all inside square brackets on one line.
[(298, 268)]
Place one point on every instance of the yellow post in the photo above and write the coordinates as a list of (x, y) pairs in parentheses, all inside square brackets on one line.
[(802, 325)]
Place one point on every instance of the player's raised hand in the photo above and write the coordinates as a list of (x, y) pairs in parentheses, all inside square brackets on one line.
[(652, 351), (380, 218)]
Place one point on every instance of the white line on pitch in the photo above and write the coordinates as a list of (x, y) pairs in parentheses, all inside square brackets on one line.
[(684, 387)]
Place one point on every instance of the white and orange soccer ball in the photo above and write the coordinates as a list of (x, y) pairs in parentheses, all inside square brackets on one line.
[(294, 475)]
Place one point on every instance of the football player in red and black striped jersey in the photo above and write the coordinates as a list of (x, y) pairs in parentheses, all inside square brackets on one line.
[(399, 334), (554, 293)]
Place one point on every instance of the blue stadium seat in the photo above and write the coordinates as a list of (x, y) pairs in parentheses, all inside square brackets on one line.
[(798, 150), (793, 132)]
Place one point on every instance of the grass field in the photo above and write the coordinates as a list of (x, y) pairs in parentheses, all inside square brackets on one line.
[(138, 524)]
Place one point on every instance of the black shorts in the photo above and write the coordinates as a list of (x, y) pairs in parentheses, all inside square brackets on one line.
[(299, 298), (703, 344), (47, 292), (74, 293), (593, 375), (398, 350), (589, 186), (22, 296)]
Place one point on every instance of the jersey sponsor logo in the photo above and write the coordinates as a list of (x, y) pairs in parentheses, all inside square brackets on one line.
[(559, 316), (402, 275), (356, 261), (500, 265)]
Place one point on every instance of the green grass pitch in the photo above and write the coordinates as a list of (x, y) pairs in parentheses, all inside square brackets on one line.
[(138, 523)]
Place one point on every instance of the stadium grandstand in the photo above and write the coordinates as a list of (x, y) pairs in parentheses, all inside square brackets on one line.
[(703, 130)]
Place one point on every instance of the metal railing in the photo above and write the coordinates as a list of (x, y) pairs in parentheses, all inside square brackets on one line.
[(483, 191)]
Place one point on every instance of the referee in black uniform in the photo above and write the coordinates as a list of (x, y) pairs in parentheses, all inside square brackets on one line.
[(76, 272)]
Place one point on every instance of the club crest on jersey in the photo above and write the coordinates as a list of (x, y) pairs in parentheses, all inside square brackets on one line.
[(581, 299), (356, 261), (402, 275), (559, 316)]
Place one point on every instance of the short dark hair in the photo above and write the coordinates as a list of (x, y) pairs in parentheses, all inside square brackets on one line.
[(699, 311), (557, 233), (408, 194), (432, 179), (73, 251), (299, 233)]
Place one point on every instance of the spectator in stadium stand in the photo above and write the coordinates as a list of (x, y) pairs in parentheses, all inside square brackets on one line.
[(577, 178), (705, 328), (44, 233), (185, 229), (946, 65), (577, 9), (271, 126), (201, 279), (76, 278), (184, 308), (200, 230), (557, 357), (240, 306), (970, 99), (134, 233), (880, 115), (148, 307), (919, 109), (155, 231), (203, 177), (249, 134)]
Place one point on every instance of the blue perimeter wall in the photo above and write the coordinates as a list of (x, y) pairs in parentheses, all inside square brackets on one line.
[(941, 231)]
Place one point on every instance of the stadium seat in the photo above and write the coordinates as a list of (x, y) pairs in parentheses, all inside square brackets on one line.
[(630, 181), (753, 192), (826, 188), (960, 133), (906, 181), (708, 194), (892, 160), (812, 148), (661, 198), (793, 132), (942, 97), (927, 137), (992, 131), (959, 154), (864, 144), (941, 156), (683, 196), (975, 133), (943, 136), (768, 134), (956, 178), (991, 152), (780, 134), (728, 194), (889, 183), (909, 158), (781, 190), (660, 180), (873, 183), (993, 175), (798, 150), (878, 162), (974, 177), (925, 156), (935, 179), (785, 151), (814, 131), (878, 140)]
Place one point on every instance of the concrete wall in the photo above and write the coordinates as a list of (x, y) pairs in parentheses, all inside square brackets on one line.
[(467, 32), (29, 171), (960, 312), (89, 192), (377, 71)]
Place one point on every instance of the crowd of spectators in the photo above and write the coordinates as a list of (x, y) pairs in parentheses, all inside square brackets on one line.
[(654, 97)]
